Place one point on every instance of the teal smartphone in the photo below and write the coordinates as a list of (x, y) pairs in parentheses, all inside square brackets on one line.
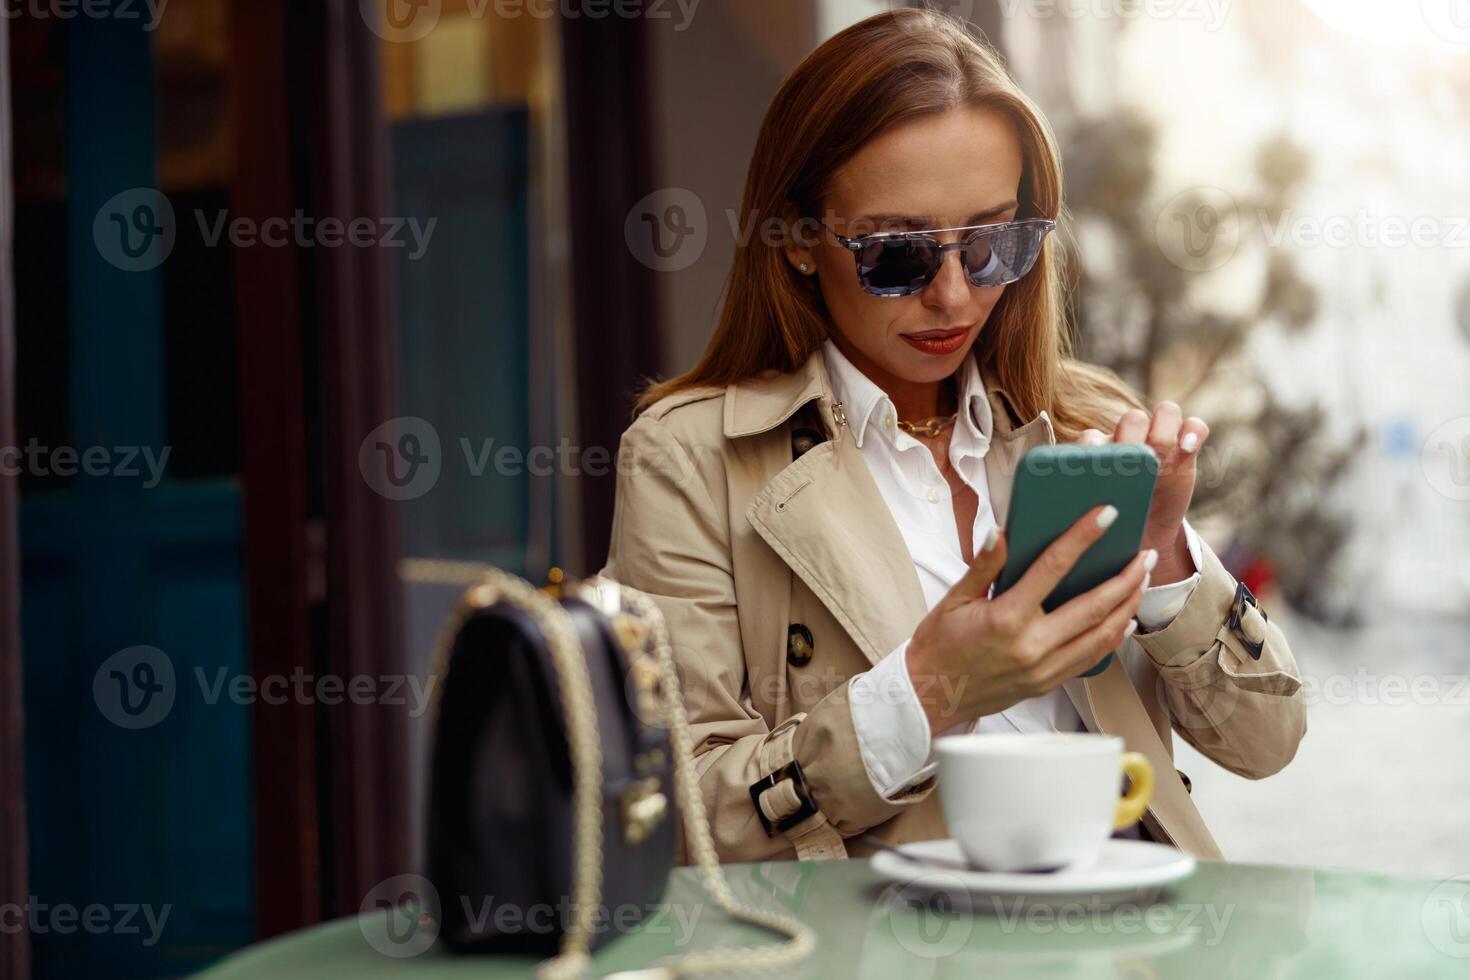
[(1054, 486)]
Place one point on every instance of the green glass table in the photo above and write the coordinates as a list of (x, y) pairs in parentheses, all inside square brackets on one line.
[(1228, 920)]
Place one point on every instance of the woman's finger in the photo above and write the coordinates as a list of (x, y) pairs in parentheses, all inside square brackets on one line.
[(1163, 431), (1053, 564), (1192, 434), (1081, 613), (1087, 650), (1132, 427), (975, 583)]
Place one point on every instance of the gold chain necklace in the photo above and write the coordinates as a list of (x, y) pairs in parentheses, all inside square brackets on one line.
[(930, 427)]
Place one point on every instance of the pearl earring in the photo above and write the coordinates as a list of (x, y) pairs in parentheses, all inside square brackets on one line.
[(804, 267)]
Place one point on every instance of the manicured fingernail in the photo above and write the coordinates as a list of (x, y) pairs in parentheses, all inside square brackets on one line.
[(1150, 559), (1107, 516), (990, 541), (1189, 441), (1128, 630)]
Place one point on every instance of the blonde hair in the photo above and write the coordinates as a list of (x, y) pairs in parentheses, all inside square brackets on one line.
[(886, 70)]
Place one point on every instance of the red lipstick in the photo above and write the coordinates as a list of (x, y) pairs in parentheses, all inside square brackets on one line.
[(939, 343)]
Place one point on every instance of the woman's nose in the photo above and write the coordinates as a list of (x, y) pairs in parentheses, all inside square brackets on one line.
[(950, 289)]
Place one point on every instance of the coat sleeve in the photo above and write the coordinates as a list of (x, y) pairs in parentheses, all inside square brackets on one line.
[(671, 540), (1233, 689)]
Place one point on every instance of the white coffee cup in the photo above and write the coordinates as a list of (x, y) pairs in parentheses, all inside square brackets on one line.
[(1033, 802)]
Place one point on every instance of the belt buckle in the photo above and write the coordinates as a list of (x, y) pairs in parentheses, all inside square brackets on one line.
[(791, 771), (1244, 597)]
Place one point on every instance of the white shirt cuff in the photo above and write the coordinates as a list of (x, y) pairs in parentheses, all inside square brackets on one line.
[(1161, 603), (892, 729)]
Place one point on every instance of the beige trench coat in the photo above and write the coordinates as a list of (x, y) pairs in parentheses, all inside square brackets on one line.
[(750, 544)]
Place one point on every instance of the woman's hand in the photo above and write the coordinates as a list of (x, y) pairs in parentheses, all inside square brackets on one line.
[(1177, 444), (998, 652)]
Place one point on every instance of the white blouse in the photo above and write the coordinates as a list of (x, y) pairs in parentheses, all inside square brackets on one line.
[(892, 729)]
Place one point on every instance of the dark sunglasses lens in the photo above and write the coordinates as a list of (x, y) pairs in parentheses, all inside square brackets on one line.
[(896, 267), (1004, 256)]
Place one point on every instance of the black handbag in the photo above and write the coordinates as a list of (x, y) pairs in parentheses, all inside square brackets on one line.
[(559, 750)]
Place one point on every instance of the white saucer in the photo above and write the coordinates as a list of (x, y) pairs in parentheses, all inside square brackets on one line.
[(1124, 870)]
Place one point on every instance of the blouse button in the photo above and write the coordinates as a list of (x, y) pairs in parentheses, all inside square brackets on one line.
[(933, 496), (804, 441)]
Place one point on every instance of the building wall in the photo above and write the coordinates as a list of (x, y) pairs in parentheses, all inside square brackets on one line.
[(713, 79)]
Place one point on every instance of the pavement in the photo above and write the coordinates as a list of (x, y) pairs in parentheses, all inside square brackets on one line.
[(1381, 782)]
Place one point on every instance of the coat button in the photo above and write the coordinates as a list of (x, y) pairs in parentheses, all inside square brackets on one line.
[(799, 645)]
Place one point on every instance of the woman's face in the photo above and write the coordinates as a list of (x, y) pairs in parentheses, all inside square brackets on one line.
[(961, 168)]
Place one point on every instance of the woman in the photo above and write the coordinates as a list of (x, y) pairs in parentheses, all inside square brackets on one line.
[(815, 505)]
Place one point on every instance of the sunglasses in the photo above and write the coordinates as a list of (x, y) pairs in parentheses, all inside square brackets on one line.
[(903, 263)]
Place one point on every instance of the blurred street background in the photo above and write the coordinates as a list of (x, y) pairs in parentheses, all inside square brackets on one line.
[(314, 300)]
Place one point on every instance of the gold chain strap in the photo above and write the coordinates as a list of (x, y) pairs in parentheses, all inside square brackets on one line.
[(572, 960), (586, 753), (800, 940)]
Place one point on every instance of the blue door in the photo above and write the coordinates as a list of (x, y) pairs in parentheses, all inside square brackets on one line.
[(138, 763)]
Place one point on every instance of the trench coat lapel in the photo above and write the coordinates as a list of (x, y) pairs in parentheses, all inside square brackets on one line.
[(825, 517), (827, 520), (1007, 446)]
